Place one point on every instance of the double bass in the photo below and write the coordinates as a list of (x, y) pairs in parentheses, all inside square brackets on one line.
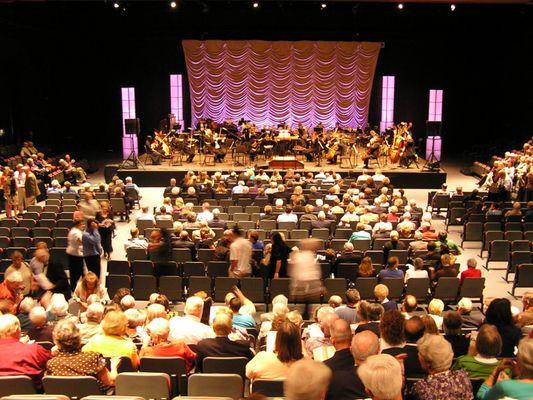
[(399, 142)]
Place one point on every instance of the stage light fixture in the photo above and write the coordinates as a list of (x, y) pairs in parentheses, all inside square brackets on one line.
[(452, 7), (256, 4), (173, 4), (323, 6), (400, 6), (116, 5)]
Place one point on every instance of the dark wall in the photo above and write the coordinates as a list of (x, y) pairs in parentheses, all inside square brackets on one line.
[(62, 64)]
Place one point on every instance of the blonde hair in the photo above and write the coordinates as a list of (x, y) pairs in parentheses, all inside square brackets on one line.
[(381, 291), (436, 307), (115, 323)]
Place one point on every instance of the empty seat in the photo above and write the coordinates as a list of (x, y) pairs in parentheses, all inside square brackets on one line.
[(115, 282), (142, 267), (253, 288), (320, 233), (118, 267), (172, 287), (446, 289), (199, 284), (174, 367), (193, 268), (144, 286), (19, 231), (20, 384), (365, 286), (136, 254), (418, 287), (71, 386), (499, 250), (223, 286), (473, 289), (205, 255), (523, 277), (181, 255), (228, 385), (217, 268), (279, 286), (347, 271), (225, 365), (148, 385), (395, 287), (335, 286)]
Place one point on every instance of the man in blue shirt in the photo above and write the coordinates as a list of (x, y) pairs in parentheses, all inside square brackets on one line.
[(392, 270), (92, 247), (240, 320)]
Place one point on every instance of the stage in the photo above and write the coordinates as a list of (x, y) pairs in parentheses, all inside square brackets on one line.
[(159, 175)]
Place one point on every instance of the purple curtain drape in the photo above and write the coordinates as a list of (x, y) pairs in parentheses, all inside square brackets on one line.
[(271, 82)]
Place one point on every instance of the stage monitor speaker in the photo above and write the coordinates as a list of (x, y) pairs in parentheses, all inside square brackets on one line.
[(433, 128), (133, 126)]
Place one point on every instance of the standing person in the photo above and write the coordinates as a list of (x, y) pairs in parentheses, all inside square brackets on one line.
[(20, 179), (92, 247), (106, 227), (279, 256), (305, 272), (240, 255), (10, 192), (31, 187), (75, 253)]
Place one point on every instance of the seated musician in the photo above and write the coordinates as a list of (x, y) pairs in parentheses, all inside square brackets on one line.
[(149, 148), (409, 154), (373, 148)]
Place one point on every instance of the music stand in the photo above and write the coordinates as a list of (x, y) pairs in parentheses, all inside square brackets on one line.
[(132, 161), (432, 158)]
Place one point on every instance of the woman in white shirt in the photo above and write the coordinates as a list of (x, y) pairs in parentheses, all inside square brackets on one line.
[(416, 270), (75, 253), (89, 285), (275, 365)]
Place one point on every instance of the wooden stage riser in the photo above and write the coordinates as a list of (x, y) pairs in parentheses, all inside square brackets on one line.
[(159, 176)]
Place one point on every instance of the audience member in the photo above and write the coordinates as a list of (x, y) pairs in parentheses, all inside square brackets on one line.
[(307, 380), (189, 328), (382, 377)]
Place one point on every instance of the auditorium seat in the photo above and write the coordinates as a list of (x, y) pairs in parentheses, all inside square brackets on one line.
[(20, 384), (228, 385), (149, 385), (71, 386)]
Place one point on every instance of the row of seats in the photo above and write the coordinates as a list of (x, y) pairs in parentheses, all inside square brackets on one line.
[(27, 242), (147, 385)]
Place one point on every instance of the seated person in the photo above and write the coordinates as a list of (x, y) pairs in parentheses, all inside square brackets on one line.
[(160, 346), (381, 292), (391, 271), (451, 325)]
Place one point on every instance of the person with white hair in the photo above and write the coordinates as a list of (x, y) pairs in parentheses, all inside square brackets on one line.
[(472, 319), (237, 189), (159, 344), (436, 357), (471, 271), (279, 310), (20, 358), (127, 302), (135, 325), (348, 256), (54, 187), (205, 214), (12, 288), (322, 222), (146, 215), (58, 308), (418, 244), (93, 317), (24, 312), (307, 380), (189, 328), (382, 377), (40, 330)]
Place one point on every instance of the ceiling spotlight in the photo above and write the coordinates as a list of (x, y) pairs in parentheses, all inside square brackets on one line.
[(323, 6), (255, 5), (173, 4), (400, 6), (116, 5), (452, 7)]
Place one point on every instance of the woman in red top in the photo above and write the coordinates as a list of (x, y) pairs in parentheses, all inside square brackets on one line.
[(160, 346)]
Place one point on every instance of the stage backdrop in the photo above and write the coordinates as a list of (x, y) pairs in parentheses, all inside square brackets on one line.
[(271, 82)]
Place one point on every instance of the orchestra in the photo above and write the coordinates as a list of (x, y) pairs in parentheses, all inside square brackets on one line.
[(395, 146)]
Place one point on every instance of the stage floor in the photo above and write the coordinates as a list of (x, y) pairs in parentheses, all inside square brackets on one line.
[(159, 175)]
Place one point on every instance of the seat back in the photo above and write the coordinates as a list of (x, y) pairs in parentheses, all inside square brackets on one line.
[(395, 286), (254, 289), (335, 286), (144, 286), (362, 244), (225, 365), (447, 289), (524, 276), (279, 286), (172, 287), (366, 286), (473, 232), (149, 385), (268, 387), (228, 385), (472, 288), (199, 284), (10, 385), (136, 254), (499, 250), (71, 386), (418, 287), (217, 269), (347, 271), (181, 255), (223, 286)]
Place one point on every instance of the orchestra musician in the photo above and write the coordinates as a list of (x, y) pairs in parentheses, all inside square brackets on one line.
[(150, 147), (373, 148)]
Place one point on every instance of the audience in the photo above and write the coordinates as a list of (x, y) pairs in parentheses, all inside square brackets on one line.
[(382, 377)]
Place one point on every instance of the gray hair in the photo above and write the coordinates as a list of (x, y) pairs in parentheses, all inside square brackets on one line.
[(95, 312), (194, 305), (67, 336), (9, 326), (471, 263), (382, 376), (525, 358), (348, 246), (159, 327), (307, 380), (364, 345), (26, 305), (436, 351), (38, 316)]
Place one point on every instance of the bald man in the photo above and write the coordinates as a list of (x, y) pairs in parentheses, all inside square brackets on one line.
[(345, 384)]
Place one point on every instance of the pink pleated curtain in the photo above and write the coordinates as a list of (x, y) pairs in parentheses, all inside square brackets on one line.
[(272, 82)]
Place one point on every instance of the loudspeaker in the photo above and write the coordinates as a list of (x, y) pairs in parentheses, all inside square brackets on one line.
[(133, 126), (433, 128)]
